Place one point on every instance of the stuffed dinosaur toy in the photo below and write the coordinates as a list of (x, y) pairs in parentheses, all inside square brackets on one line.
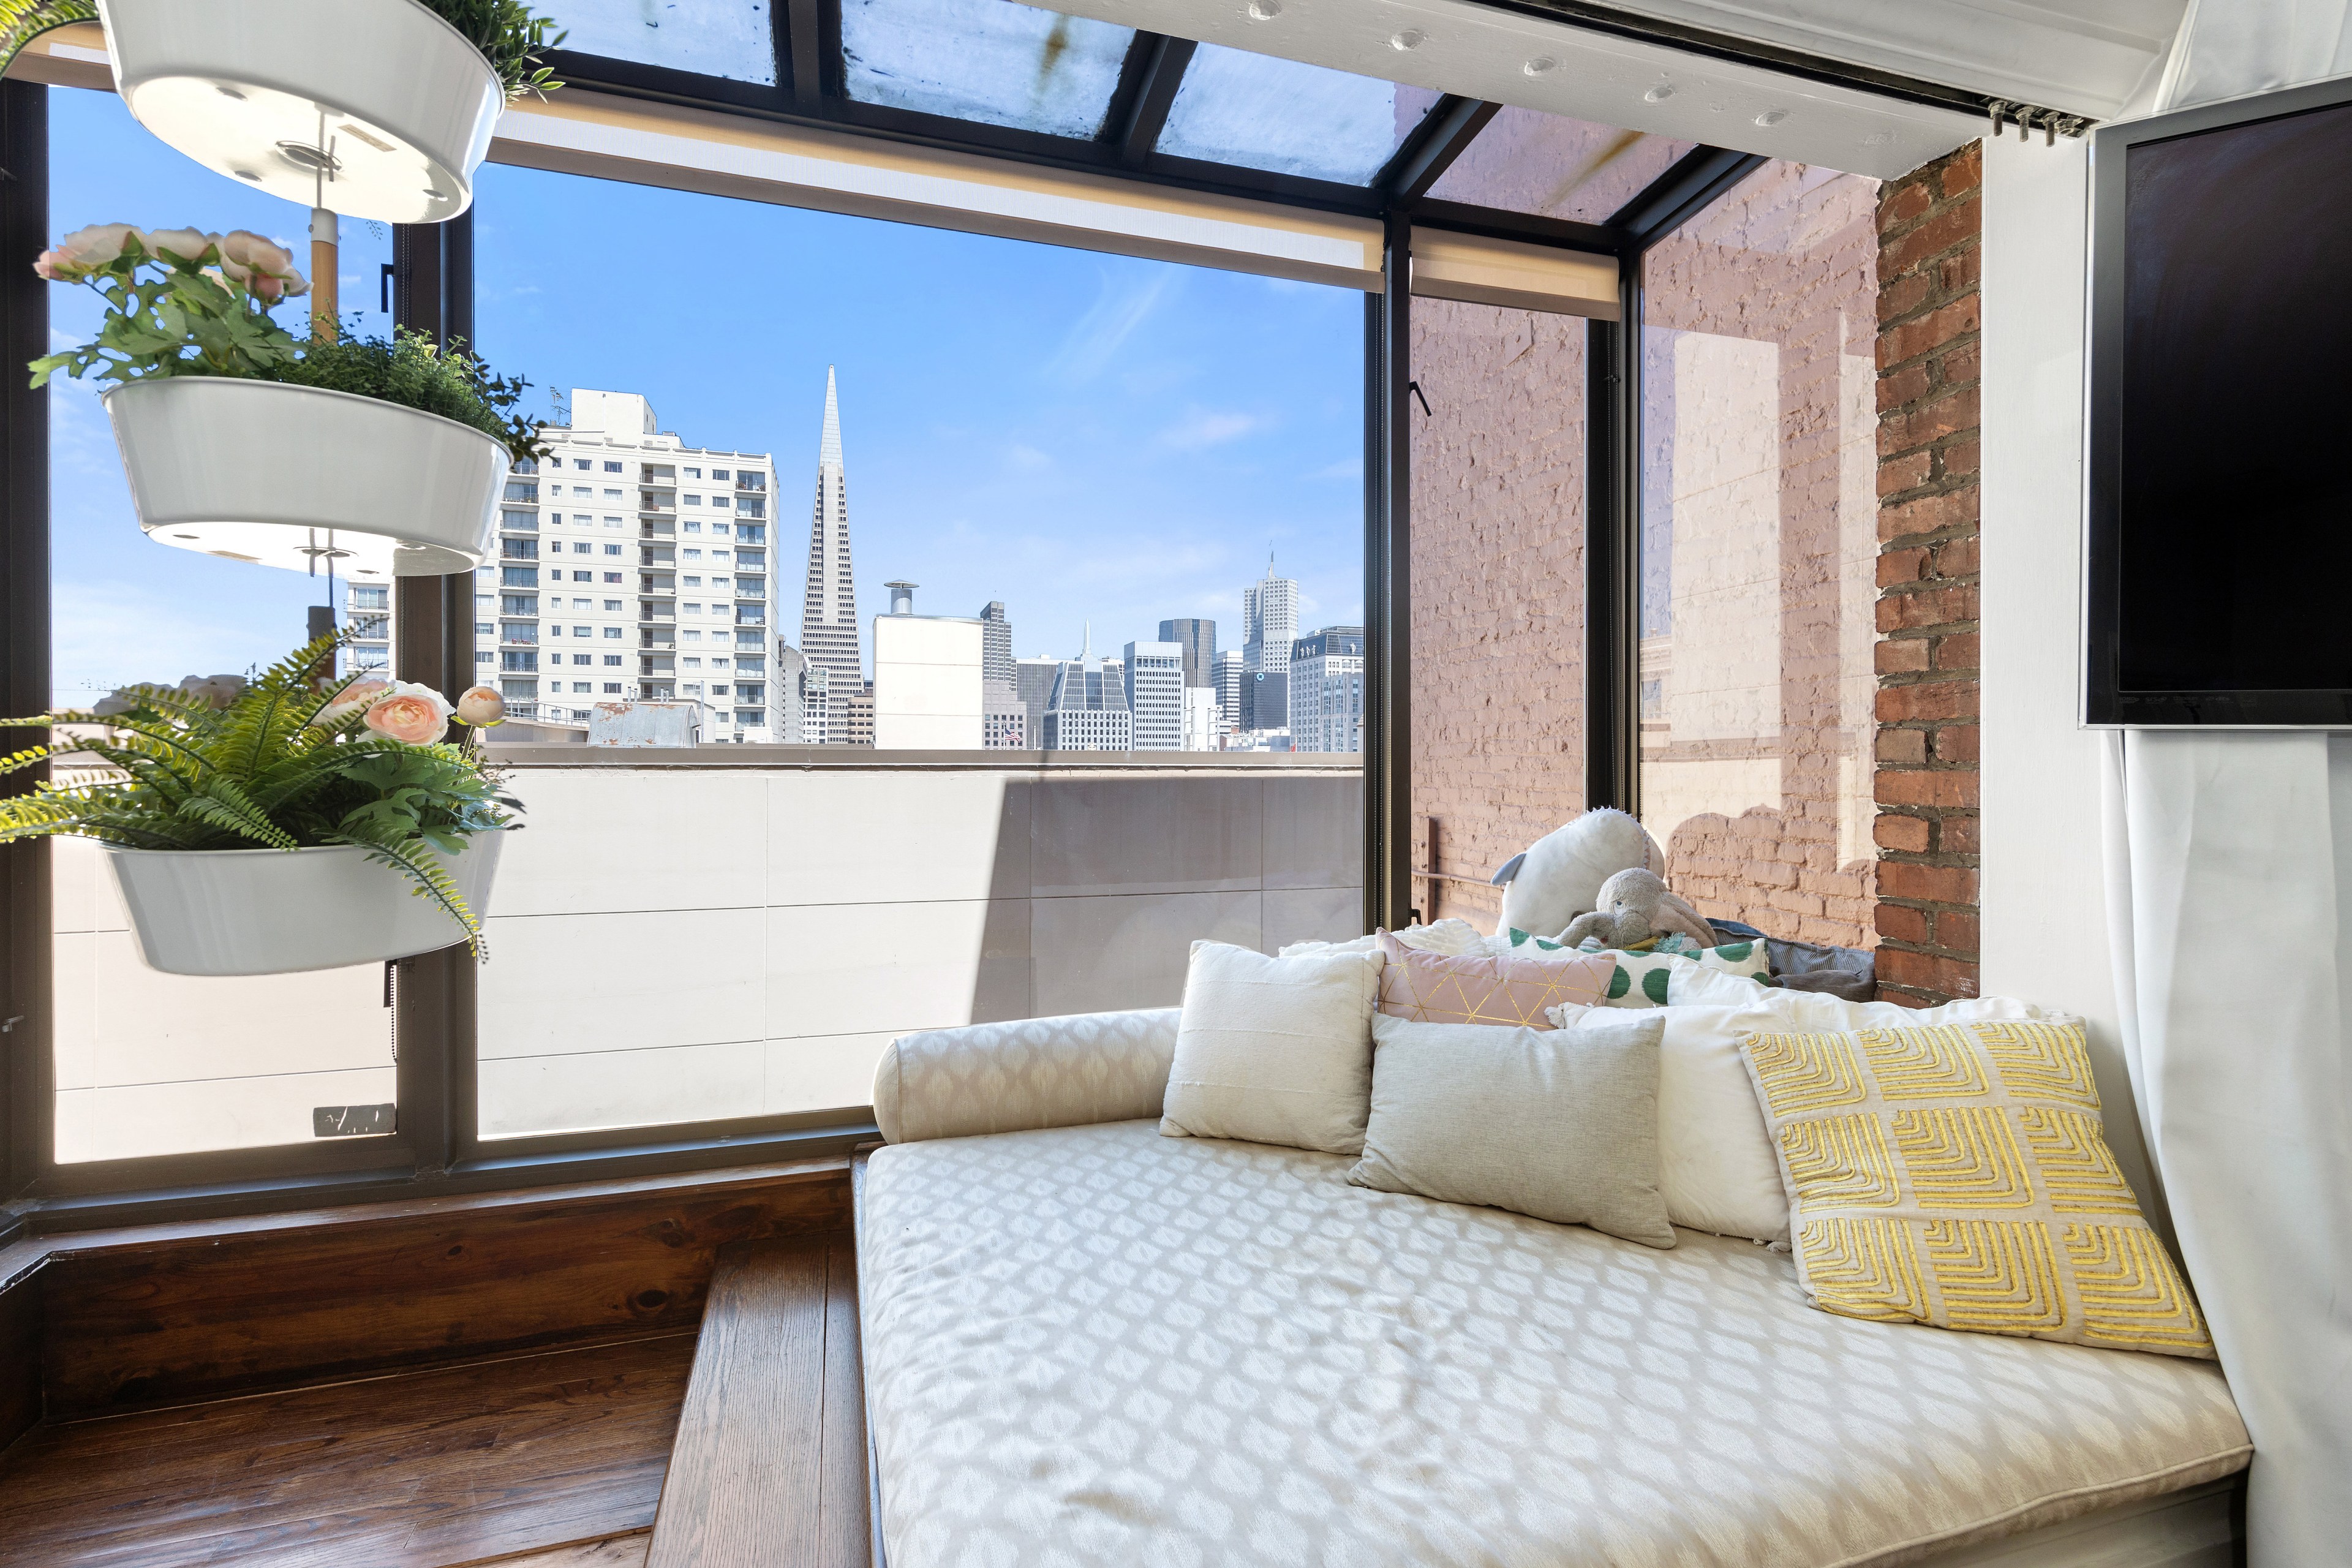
[(1635, 907)]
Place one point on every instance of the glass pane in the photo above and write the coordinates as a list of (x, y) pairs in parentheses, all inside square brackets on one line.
[(1291, 119), (149, 1063), (1498, 478), (1552, 166), (991, 60), (729, 39), (683, 945), (1759, 550)]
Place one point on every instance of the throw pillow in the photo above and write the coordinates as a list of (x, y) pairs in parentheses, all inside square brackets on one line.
[(1644, 978), (1274, 1050), (1958, 1176), (1558, 1124), (1716, 1164), (1470, 988)]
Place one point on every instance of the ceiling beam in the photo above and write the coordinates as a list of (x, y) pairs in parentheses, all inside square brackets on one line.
[(1671, 200), (1151, 95), (1443, 135)]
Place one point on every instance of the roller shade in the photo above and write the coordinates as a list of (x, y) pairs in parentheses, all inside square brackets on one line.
[(1482, 271), (730, 156)]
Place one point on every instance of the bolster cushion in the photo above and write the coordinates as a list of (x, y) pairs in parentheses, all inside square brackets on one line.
[(1030, 1073)]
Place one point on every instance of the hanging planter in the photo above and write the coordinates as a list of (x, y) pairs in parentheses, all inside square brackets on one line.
[(377, 109), (302, 476), (277, 912), (288, 822)]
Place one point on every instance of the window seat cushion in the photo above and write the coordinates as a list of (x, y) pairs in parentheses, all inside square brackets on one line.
[(1096, 1345)]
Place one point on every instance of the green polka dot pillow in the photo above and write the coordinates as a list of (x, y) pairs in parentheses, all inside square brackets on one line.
[(1641, 977)]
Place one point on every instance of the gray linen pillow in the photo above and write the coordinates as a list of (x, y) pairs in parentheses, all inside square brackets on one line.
[(1274, 1050), (1561, 1124)]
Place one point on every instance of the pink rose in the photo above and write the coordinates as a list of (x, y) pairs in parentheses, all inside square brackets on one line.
[(350, 699), (86, 250), (412, 714), (481, 706), (189, 245), (264, 267)]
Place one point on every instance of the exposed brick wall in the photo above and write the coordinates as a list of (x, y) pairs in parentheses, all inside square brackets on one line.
[(1929, 227)]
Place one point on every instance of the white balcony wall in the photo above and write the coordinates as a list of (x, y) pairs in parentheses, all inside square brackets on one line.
[(686, 944)]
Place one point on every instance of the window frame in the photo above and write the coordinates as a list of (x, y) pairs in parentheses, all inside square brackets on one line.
[(436, 1149)]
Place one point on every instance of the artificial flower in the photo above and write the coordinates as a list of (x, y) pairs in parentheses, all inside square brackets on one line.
[(265, 268), (189, 245), (353, 697), (414, 714), (481, 706), (86, 250)]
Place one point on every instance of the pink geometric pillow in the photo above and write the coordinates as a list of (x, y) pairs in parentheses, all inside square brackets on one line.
[(1478, 989)]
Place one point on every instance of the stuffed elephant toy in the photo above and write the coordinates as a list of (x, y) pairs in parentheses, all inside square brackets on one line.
[(1635, 906)]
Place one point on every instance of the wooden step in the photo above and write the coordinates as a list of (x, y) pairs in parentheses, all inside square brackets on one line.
[(769, 1471)]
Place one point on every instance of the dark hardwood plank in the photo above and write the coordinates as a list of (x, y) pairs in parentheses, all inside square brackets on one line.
[(615, 1552), (843, 1534), (420, 1469), (744, 1487), (214, 1309)]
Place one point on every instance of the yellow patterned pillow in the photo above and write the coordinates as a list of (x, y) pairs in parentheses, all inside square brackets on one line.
[(1958, 1176)]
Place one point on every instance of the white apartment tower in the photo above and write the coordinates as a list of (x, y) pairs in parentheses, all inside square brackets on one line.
[(1155, 695), (829, 631), (1269, 622), (1326, 691), (632, 565)]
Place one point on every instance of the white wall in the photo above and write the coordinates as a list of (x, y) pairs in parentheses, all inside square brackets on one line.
[(2045, 919), (927, 684)]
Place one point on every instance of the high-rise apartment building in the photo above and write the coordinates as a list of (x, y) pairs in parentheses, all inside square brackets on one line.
[(1199, 641), (829, 629), (1326, 691), (367, 617), (1228, 680), (632, 565), (1155, 695), (1088, 711), (1269, 622)]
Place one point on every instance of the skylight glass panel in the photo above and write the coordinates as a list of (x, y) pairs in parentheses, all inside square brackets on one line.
[(1552, 166), (1264, 113), (995, 61), (729, 39)]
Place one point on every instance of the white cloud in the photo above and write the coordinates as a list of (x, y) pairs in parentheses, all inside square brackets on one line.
[(1095, 338), (1202, 429), (1027, 460), (1347, 469)]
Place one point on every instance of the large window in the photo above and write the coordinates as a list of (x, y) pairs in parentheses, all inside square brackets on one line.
[(1759, 547)]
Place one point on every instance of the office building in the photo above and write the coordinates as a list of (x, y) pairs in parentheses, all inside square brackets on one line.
[(1003, 717), (1203, 723), (1088, 711), (996, 643), (1228, 682), (1199, 641), (927, 679), (1032, 682), (1269, 622), (829, 597), (1266, 701), (1155, 695), (1326, 691), (632, 564)]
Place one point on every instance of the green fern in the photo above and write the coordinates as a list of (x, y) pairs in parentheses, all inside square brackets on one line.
[(22, 21), (272, 769)]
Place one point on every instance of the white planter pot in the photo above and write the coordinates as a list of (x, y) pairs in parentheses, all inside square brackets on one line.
[(275, 911), (256, 470), (408, 104)]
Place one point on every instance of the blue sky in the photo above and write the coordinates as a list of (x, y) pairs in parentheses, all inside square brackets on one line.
[(1084, 437)]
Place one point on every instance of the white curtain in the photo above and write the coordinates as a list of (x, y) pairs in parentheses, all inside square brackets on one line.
[(2230, 885), (2226, 48)]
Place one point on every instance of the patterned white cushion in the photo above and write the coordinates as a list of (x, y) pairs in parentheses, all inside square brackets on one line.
[(1035, 1072), (1095, 1347)]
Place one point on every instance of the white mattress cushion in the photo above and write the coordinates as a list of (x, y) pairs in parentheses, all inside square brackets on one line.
[(1094, 1345)]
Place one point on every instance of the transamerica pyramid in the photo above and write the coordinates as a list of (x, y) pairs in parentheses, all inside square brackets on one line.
[(829, 632)]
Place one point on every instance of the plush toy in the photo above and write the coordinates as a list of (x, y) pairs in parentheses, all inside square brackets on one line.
[(1558, 877), (1634, 906)]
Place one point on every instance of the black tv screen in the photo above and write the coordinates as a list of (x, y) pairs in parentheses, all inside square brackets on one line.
[(2220, 481)]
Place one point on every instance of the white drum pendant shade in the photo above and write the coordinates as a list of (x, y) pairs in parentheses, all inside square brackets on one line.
[(240, 86), (258, 471)]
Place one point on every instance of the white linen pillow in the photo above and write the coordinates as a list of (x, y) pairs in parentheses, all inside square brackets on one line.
[(1274, 1050), (1716, 1162)]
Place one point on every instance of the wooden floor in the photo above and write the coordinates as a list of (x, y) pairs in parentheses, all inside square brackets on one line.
[(555, 1459)]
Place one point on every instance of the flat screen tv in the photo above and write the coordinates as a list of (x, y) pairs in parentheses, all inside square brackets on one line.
[(2219, 482)]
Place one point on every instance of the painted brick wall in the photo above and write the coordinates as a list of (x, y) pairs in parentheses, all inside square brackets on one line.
[(1929, 227)]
